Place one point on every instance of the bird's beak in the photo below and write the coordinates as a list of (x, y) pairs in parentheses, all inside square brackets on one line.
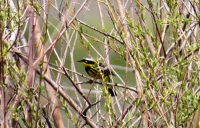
[(79, 61)]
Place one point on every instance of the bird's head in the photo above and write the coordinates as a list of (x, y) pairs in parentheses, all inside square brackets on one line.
[(87, 61)]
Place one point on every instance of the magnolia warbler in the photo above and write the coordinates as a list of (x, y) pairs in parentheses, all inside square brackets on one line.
[(97, 71)]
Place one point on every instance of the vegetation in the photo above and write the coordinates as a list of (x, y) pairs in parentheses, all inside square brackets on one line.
[(151, 46)]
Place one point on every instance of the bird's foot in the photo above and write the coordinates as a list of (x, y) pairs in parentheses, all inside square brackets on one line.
[(90, 81)]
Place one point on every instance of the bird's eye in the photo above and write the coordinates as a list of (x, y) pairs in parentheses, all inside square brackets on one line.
[(86, 61)]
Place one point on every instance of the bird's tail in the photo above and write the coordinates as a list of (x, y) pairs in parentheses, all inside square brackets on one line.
[(112, 92)]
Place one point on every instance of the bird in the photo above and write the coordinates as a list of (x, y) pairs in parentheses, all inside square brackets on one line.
[(98, 71)]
